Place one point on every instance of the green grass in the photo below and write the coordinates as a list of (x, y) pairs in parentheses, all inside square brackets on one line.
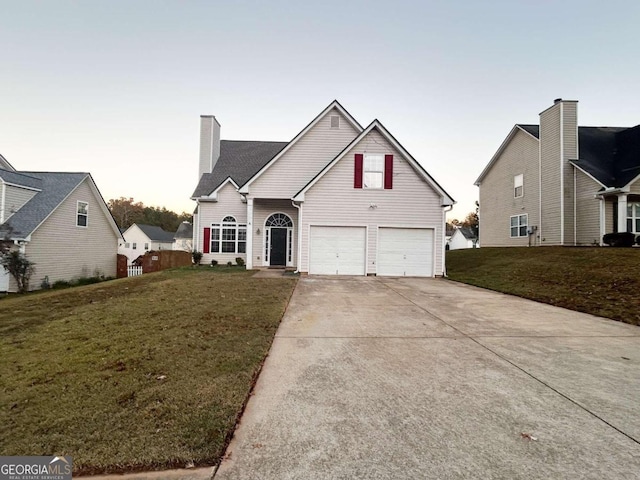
[(143, 373), (600, 281)]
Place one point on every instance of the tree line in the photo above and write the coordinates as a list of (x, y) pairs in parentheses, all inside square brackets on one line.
[(126, 212)]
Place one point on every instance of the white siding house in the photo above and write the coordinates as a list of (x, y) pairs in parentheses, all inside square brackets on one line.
[(139, 239), (338, 199)]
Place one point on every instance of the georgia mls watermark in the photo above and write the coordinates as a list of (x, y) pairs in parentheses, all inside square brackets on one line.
[(35, 468)]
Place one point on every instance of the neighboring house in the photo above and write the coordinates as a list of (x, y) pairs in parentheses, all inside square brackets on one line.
[(337, 199), (183, 238), (60, 222), (463, 237), (140, 238), (560, 184)]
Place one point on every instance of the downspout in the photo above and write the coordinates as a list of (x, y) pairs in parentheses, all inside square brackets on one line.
[(299, 252), (575, 212), (444, 249), (4, 191)]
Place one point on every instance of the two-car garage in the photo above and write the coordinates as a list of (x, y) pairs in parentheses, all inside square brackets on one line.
[(342, 250)]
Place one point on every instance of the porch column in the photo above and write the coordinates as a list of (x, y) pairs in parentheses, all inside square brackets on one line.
[(622, 212), (249, 261), (602, 220)]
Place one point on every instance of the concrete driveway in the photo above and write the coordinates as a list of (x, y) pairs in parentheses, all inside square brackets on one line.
[(427, 378)]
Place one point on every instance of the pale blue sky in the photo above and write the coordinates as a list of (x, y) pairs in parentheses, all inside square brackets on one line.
[(117, 87)]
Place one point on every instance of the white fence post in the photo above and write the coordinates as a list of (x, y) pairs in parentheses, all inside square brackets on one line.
[(133, 271)]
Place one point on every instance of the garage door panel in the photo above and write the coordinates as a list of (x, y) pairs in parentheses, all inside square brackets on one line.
[(337, 250), (405, 252)]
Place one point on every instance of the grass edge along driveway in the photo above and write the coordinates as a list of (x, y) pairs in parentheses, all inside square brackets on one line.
[(597, 280), (144, 373)]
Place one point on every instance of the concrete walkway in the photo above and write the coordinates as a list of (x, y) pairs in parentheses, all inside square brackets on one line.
[(426, 378)]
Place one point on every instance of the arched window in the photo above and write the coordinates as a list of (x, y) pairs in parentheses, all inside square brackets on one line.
[(228, 236), (279, 220)]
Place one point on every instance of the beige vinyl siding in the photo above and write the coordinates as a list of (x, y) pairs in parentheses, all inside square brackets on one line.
[(15, 198), (497, 202), (550, 176), (263, 209), (310, 154), (411, 202), (229, 203), (587, 210), (635, 188), (570, 146), (609, 207), (63, 251)]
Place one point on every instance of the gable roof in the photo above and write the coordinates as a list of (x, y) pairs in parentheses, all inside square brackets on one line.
[(333, 105), (611, 155), (155, 234), (446, 199), (239, 160), (5, 165), (185, 230), (55, 187), (467, 232)]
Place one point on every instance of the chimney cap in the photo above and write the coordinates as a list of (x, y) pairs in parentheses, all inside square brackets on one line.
[(557, 100)]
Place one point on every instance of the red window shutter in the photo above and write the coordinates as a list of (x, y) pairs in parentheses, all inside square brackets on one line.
[(357, 176), (388, 172), (207, 240)]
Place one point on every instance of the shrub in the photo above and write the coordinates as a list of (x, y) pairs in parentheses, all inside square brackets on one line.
[(19, 267), (214, 263), (196, 256), (229, 263), (239, 261), (620, 239), (60, 284)]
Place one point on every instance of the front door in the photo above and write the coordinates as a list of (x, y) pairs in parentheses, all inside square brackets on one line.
[(278, 247)]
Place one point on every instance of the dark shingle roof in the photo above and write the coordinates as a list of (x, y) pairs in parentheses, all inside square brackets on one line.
[(468, 233), (55, 188), (609, 154), (239, 160), (18, 178), (156, 234), (185, 230)]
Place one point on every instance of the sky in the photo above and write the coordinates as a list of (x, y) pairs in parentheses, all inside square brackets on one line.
[(116, 88)]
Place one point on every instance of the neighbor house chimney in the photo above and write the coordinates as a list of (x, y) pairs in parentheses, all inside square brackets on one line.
[(209, 144), (558, 145)]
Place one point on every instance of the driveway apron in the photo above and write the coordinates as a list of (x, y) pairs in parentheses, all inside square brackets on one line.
[(426, 378)]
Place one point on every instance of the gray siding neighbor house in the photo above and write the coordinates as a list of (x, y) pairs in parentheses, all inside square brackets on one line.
[(338, 199), (60, 222), (558, 183)]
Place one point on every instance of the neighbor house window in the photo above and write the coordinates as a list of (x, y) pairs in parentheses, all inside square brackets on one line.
[(373, 171), (135, 245), (146, 246), (519, 225), (518, 189), (633, 217), (228, 236), (127, 245), (82, 217)]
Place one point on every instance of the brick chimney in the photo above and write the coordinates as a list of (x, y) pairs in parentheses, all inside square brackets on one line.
[(558, 145), (209, 144)]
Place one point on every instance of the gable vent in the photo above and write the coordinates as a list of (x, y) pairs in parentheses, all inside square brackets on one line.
[(335, 121)]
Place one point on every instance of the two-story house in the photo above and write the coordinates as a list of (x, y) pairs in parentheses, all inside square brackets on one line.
[(338, 199), (558, 183)]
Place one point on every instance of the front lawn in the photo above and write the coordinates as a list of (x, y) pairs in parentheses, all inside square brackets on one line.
[(149, 372), (600, 281)]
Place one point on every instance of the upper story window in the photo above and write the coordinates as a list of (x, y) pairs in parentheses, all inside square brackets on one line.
[(373, 171), (146, 246), (519, 224), (135, 245), (335, 121), (82, 215), (518, 188), (127, 245)]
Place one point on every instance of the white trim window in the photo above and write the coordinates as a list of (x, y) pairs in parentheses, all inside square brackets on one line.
[(519, 224), (373, 168), (229, 236), (82, 214), (633, 217), (518, 186)]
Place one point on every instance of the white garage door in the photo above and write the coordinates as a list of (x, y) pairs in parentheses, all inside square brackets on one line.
[(337, 250), (405, 252)]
